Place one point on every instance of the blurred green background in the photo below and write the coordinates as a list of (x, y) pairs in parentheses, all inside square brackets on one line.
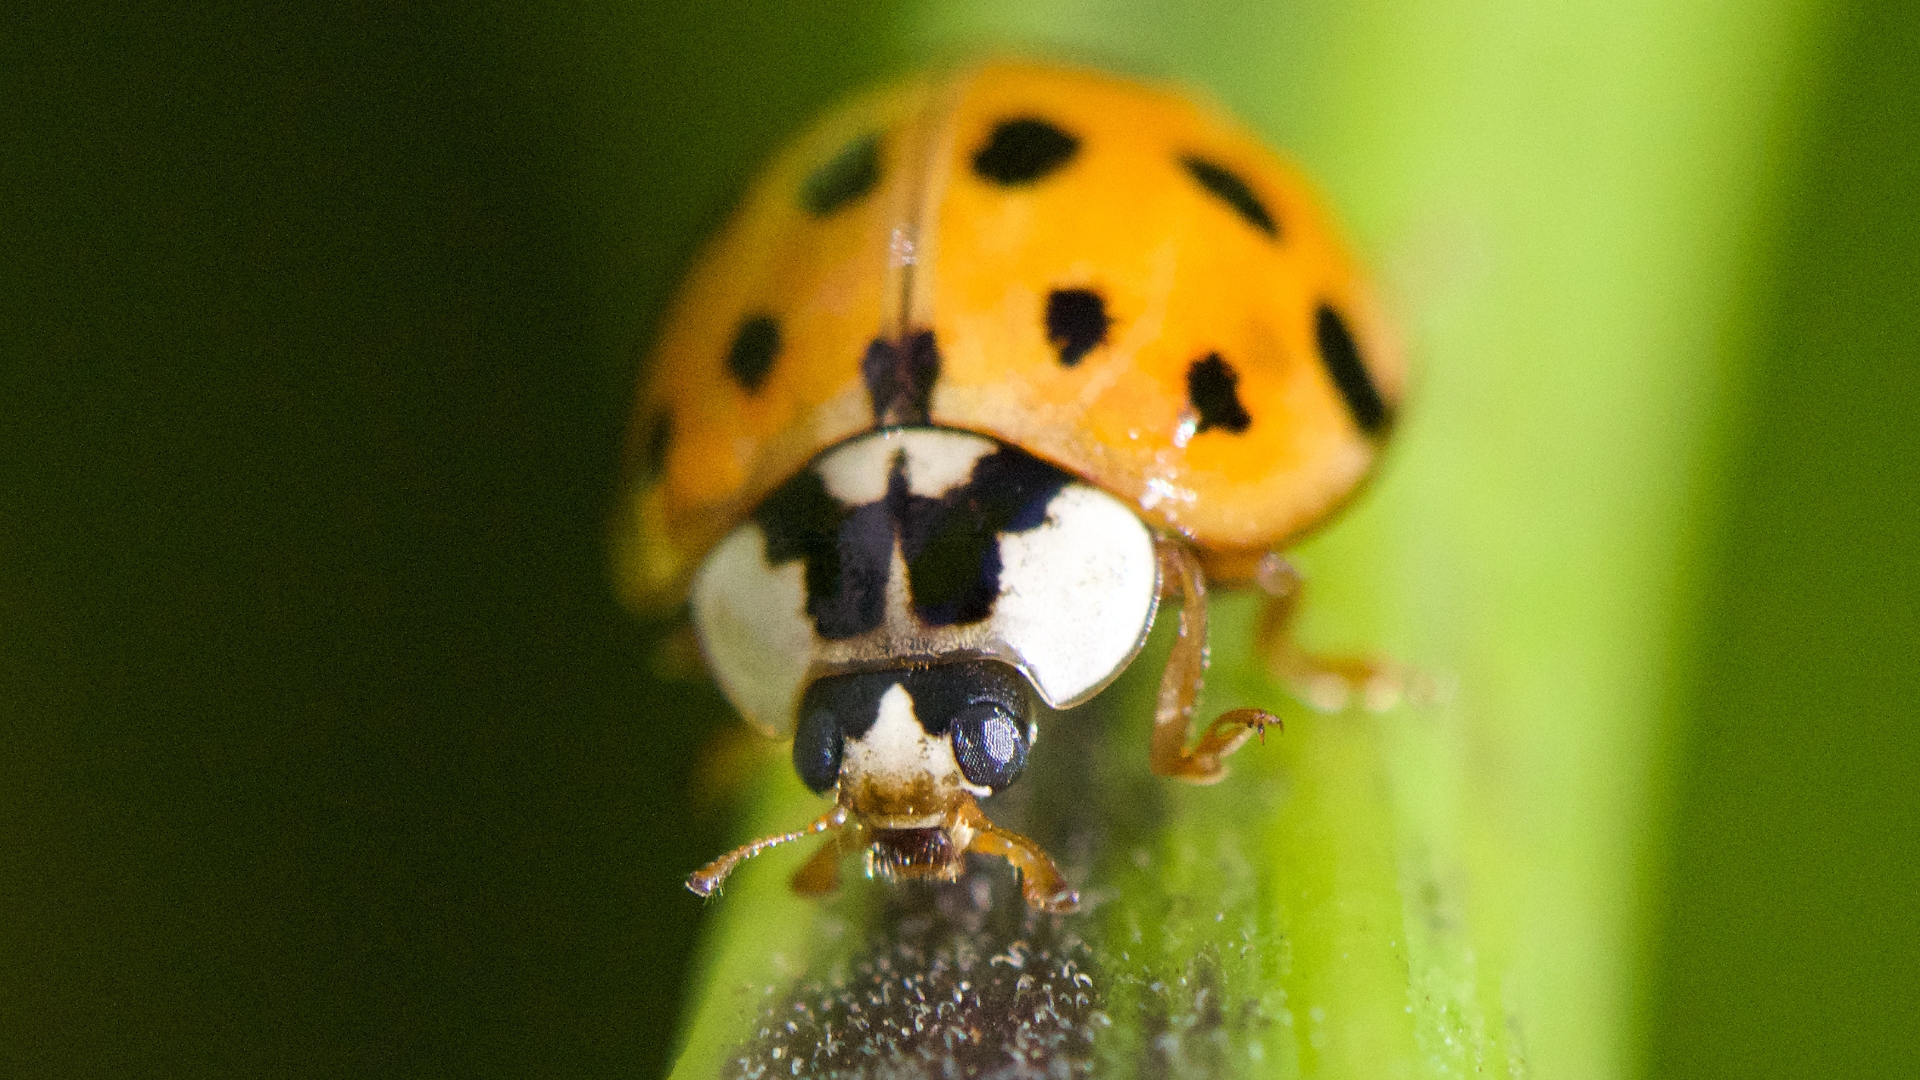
[(326, 751)]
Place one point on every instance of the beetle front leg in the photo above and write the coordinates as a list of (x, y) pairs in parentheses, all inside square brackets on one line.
[(1041, 884), (1183, 679)]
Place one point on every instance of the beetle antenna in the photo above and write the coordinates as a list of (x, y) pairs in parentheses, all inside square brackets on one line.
[(706, 880)]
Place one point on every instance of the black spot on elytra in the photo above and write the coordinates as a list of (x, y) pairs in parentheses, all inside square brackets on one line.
[(900, 378), (755, 346), (1342, 358), (1076, 323), (843, 178), (1227, 186), (951, 543), (1210, 387), (1022, 150)]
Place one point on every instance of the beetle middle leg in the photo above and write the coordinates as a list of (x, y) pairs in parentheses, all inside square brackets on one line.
[(1185, 675)]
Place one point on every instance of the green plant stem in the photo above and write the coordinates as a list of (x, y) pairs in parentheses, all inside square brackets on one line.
[(1563, 199)]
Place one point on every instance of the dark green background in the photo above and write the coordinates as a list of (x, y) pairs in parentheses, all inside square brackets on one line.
[(326, 751), (1791, 938)]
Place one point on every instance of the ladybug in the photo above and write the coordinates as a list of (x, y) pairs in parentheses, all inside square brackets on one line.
[(987, 364)]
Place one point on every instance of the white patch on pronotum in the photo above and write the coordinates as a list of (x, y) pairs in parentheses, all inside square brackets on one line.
[(856, 472), (752, 622), (939, 461), (1077, 594)]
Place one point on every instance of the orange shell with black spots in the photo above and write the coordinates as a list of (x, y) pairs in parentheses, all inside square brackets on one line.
[(896, 265)]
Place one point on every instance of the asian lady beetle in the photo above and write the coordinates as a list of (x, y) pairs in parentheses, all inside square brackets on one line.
[(985, 365)]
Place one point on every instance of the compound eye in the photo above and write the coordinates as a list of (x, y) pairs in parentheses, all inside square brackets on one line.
[(990, 744), (817, 746)]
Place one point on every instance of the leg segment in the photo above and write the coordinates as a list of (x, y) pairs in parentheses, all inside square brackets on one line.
[(1230, 731), (1329, 684), (1041, 883), (1185, 675), (708, 878)]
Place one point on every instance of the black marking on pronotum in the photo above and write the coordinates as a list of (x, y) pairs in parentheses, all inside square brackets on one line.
[(1210, 387), (1342, 358), (846, 551), (755, 346), (1227, 186), (1022, 150), (1076, 323), (951, 543), (842, 178), (900, 378)]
